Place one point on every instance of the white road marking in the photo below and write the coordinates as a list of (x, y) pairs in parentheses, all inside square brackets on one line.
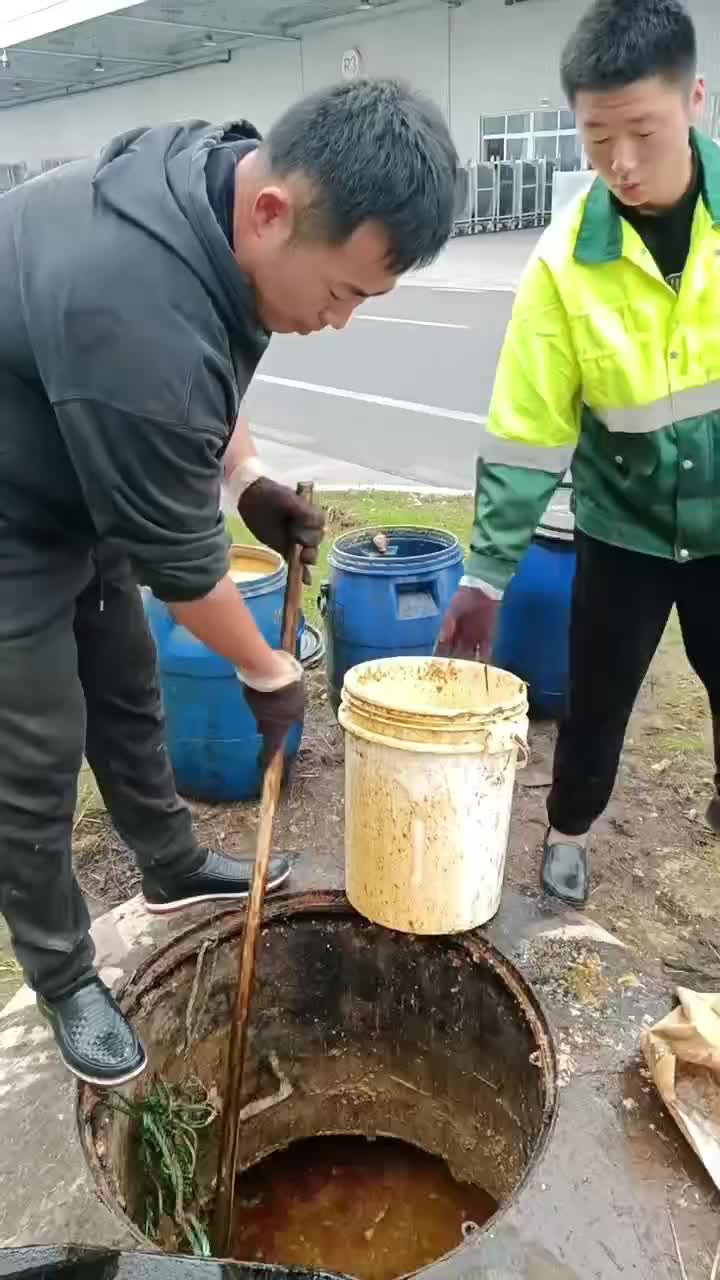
[(387, 402), (426, 324), (458, 288)]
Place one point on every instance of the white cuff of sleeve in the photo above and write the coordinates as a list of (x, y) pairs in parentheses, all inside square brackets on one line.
[(245, 474), (272, 684), (493, 593)]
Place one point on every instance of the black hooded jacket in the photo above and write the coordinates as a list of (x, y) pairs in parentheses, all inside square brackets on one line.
[(128, 337)]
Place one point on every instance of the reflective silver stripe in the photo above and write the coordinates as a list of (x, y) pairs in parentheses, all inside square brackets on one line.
[(642, 419), (479, 584), (494, 452)]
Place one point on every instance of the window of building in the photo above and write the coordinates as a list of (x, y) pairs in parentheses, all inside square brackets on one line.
[(550, 134)]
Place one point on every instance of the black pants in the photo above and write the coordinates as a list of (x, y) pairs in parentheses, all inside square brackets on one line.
[(77, 674), (621, 605)]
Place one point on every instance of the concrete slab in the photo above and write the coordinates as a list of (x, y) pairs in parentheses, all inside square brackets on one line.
[(46, 1194), (288, 464), (596, 1207), (491, 261)]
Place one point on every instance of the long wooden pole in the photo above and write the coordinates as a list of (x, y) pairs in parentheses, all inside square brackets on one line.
[(230, 1133)]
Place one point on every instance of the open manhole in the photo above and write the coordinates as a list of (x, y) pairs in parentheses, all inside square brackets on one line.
[(434, 1050)]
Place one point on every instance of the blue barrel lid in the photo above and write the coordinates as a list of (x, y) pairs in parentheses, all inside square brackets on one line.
[(395, 551)]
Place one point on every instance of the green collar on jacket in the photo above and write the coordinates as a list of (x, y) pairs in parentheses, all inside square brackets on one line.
[(600, 236)]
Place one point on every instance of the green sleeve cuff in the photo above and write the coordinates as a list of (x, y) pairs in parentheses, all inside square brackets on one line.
[(509, 504), (493, 571)]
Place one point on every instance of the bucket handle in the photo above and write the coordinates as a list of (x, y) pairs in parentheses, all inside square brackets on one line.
[(322, 599), (523, 749)]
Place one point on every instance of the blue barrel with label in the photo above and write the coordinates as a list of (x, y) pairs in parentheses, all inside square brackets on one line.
[(212, 735), (386, 597), (534, 627)]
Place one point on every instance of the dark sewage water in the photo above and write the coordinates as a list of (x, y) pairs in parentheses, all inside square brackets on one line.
[(374, 1210)]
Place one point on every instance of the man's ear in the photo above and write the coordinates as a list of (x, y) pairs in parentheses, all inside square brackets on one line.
[(272, 214)]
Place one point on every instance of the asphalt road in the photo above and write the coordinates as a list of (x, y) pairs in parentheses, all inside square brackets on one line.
[(404, 389)]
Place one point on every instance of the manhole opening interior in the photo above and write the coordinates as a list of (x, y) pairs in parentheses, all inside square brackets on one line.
[(357, 1032)]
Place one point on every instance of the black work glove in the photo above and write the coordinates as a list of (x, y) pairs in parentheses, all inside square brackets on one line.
[(277, 712), (469, 625), (279, 519)]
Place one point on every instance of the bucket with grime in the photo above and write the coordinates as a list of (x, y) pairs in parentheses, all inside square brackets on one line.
[(212, 736), (388, 592), (431, 751)]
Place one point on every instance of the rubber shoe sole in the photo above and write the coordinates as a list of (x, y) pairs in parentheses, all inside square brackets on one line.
[(196, 900), (106, 1084), (71, 1019)]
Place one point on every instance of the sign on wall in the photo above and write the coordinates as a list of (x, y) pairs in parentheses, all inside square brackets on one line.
[(351, 64)]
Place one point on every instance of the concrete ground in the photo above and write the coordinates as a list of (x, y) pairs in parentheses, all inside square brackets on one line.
[(493, 260), (595, 1209)]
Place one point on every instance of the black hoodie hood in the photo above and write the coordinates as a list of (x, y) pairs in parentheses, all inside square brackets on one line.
[(156, 179)]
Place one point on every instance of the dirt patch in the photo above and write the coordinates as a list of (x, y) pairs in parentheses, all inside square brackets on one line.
[(10, 971), (655, 862), (570, 971), (310, 816)]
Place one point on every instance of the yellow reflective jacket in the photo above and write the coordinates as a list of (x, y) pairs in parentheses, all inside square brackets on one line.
[(605, 364)]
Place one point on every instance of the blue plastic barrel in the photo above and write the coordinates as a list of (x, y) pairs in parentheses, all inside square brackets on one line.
[(534, 626), (212, 736), (386, 597)]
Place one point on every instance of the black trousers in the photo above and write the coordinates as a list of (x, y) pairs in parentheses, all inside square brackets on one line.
[(77, 674), (621, 605)]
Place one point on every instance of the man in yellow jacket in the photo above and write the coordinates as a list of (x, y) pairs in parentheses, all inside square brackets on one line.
[(612, 359)]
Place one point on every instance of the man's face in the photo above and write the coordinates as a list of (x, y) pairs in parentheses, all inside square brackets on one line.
[(304, 284), (637, 139)]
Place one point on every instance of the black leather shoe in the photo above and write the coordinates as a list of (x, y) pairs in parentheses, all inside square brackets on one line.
[(219, 879), (94, 1037), (566, 872), (712, 816)]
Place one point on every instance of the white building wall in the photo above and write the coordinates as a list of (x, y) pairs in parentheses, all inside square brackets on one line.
[(483, 57), (413, 44)]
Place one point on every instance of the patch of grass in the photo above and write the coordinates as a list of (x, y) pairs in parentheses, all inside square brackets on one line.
[(711, 854), (9, 967), (678, 742), (347, 510), (586, 979), (167, 1121), (89, 802)]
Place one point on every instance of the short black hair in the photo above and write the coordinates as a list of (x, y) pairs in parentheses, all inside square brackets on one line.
[(619, 42), (371, 150)]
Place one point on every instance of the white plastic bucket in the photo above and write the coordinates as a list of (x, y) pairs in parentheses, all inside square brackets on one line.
[(431, 753)]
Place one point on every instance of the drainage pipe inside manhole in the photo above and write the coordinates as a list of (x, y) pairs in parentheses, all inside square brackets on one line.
[(433, 1049)]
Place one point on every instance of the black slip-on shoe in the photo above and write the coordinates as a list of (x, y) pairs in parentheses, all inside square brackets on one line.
[(566, 872), (712, 817), (94, 1037), (219, 879)]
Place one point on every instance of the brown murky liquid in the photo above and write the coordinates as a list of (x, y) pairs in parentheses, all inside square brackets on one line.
[(246, 566), (373, 1210)]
